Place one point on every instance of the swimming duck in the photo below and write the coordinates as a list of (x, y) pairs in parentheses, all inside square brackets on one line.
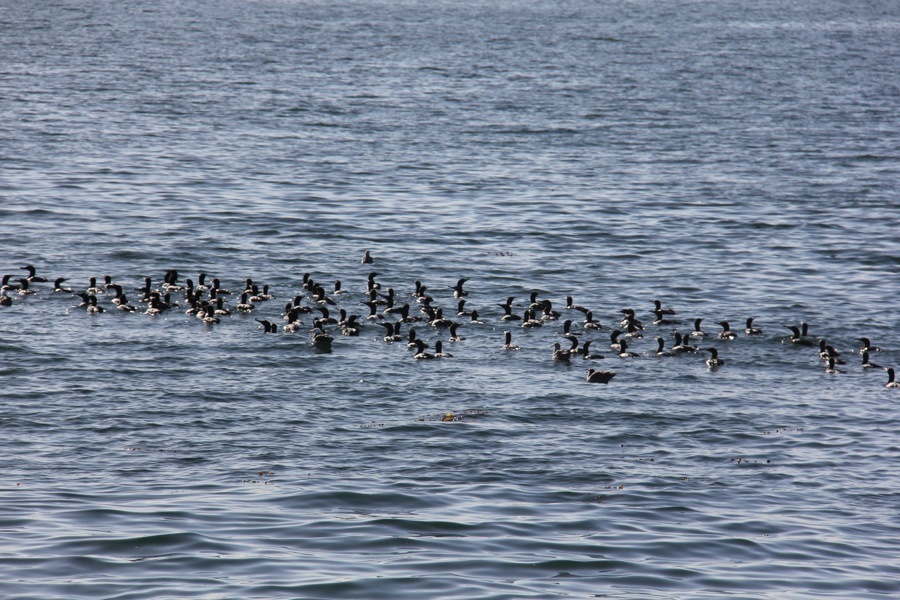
[(320, 338), (24, 289), (455, 337), (682, 345), (121, 302), (660, 319), (630, 320), (393, 335), (439, 350), (529, 321), (547, 312), (293, 322), (697, 332), (798, 338), (586, 352), (507, 313), (155, 308), (827, 352), (750, 329), (589, 322), (831, 369), (508, 345), (458, 291), (371, 284), (659, 350), (868, 365), (5, 285), (327, 319), (440, 320), (623, 351), (350, 327), (714, 362), (867, 346), (244, 306), (570, 305), (726, 333), (420, 351), (594, 376), (170, 281), (658, 308), (615, 344), (93, 308), (373, 311), (32, 278), (217, 286), (890, 382), (208, 316), (563, 355)]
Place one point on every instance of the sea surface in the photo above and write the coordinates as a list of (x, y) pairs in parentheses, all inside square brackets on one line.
[(731, 159)]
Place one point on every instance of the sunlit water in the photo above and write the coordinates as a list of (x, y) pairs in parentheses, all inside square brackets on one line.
[(732, 159)]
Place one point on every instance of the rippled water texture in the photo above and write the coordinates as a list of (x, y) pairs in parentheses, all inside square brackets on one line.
[(731, 159)]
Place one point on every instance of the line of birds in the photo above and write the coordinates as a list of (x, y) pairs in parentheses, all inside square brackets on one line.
[(209, 301)]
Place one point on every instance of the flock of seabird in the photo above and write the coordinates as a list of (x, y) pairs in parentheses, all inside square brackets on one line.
[(207, 300)]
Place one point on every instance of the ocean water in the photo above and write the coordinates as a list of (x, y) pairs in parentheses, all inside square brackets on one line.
[(730, 159)]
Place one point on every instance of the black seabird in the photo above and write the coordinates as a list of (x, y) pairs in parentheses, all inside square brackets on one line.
[(659, 350), (658, 308), (508, 316), (697, 332), (726, 333), (867, 346), (750, 329), (439, 351), (623, 351), (31, 276), (589, 322), (570, 305), (350, 327), (455, 337), (586, 352), (868, 365), (508, 345), (798, 338), (420, 351), (458, 291), (660, 319), (714, 362), (392, 335), (594, 376), (682, 345), (24, 290), (830, 369), (890, 382), (92, 287), (614, 342)]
